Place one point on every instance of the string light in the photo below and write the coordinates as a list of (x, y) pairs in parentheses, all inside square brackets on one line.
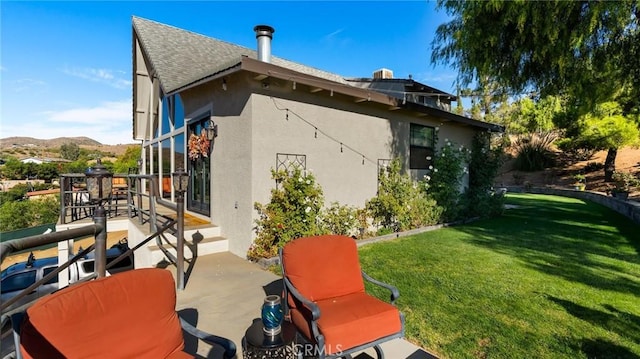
[(316, 130)]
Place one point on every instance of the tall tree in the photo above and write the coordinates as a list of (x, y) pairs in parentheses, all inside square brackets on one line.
[(587, 50), (70, 151), (606, 128)]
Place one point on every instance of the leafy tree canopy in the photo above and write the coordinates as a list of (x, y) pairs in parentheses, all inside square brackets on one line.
[(606, 128), (588, 50), (128, 160), (70, 151)]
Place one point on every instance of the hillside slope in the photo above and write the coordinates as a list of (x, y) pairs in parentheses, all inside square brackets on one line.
[(627, 160)]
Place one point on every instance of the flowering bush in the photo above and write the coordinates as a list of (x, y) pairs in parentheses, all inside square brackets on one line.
[(484, 163), (292, 213), (198, 146), (400, 204), (445, 179), (340, 219)]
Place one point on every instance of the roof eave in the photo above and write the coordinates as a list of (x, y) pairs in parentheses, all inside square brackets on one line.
[(271, 70), (450, 116), (226, 70)]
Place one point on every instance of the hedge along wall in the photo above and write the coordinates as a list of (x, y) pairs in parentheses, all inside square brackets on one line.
[(629, 209)]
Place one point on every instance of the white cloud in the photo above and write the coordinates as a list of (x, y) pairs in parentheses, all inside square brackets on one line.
[(104, 113), (336, 38), (107, 123), (333, 34), (31, 85), (113, 78)]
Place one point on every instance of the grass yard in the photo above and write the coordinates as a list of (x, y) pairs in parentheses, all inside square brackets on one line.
[(554, 278)]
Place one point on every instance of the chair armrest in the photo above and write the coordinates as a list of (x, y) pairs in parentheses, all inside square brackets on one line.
[(228, 345), (315, 310), (16, 323), (394, 291)]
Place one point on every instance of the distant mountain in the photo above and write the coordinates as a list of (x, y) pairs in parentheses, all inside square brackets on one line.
[(55, 142), (22, 147)]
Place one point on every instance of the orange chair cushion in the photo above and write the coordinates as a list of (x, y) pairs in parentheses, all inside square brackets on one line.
[(127, 315), (323, 267), (166, 184), (349, 321)]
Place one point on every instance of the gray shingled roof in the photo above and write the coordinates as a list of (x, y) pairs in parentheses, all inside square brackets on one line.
[(181, 57)]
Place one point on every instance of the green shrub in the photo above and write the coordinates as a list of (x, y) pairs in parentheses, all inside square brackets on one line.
[(24, 214), (574, 150), (292, 213), (533, 152), (401, 204), (445, 180), (484, 163)]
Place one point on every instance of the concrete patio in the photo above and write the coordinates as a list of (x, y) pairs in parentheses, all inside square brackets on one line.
[(224, 294)]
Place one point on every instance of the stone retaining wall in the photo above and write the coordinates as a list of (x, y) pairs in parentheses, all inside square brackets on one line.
[(629, 209)]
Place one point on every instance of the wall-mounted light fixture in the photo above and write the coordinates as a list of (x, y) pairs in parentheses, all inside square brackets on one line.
[(224, 84), (211, 129)]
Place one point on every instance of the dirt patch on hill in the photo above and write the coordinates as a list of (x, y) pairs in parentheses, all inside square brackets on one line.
[(628, 160)]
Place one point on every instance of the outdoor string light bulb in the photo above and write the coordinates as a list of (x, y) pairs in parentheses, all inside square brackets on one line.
[(98, 182)]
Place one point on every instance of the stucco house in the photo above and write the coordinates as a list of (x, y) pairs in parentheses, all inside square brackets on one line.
[(271, 113)]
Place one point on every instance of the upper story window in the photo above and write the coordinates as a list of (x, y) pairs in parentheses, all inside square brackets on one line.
[(422, 146), (172, 114)]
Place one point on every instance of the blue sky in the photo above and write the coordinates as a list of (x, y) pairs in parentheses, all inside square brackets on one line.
[(65, 67)]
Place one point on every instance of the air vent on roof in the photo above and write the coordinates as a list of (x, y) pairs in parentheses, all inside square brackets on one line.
[(383, 74)]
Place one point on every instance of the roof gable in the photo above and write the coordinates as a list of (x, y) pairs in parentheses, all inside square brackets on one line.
[(181, 57)]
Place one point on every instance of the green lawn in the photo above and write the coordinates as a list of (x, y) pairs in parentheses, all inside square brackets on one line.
[(554, 278)]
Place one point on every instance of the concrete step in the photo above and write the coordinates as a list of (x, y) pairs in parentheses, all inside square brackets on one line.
[(199, 246), (201, 239), (196, 233)]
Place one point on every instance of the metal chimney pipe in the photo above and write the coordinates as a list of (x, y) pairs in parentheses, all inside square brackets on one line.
[(264, 34)]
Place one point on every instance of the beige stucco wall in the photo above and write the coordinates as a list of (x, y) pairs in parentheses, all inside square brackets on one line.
[(253, 128)]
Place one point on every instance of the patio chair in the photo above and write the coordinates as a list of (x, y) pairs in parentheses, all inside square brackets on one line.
[(126, 315), (326, 298)]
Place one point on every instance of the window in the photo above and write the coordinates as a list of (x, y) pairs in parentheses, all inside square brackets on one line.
[(421, 149), (47, 271), (18, 281)]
